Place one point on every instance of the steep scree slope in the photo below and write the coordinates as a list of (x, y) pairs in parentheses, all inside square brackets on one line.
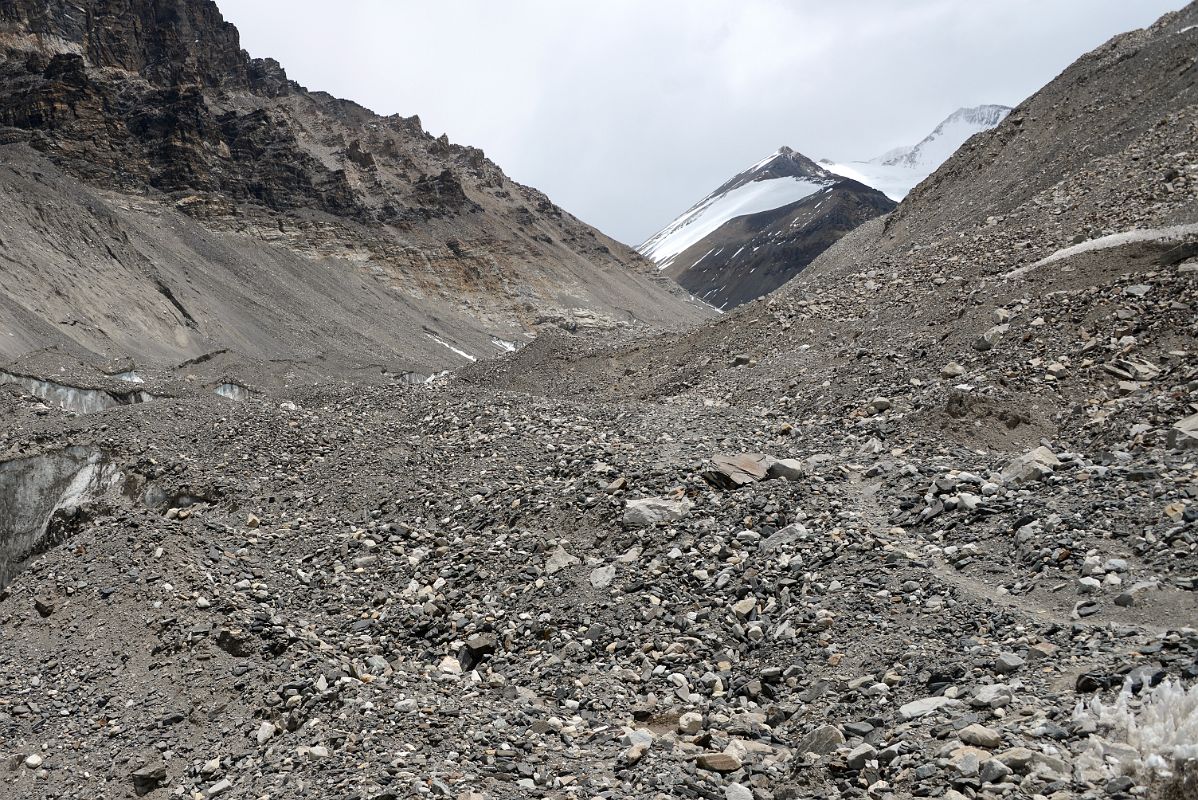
[(269, 198)]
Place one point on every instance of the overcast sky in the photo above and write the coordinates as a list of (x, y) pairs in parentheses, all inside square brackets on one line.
[(626, 112)]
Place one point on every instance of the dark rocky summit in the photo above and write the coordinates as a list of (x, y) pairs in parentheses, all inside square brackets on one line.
[(923, 522), (801, 209), (750, 256)]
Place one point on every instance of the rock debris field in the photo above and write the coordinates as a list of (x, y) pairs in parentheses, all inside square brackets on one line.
[(921, 523)]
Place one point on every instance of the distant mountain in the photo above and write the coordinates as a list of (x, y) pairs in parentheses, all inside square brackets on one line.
[(761, 228), (898, 171)]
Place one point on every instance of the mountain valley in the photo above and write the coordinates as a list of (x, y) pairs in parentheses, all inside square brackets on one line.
[(333, 463)]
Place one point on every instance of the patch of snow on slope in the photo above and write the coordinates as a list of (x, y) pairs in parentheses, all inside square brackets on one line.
[(713, 212), (444, 343), (504, 345), (1174, 233), (893, 181)]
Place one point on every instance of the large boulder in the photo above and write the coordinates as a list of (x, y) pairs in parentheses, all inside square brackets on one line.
[(1184, 434), (734, 471), (1034, 466)]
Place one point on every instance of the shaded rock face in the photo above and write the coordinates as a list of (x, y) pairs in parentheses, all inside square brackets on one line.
[(131, 95), (165, 41), (158, 101)]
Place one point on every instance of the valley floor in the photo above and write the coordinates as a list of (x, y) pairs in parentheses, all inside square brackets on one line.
[(364, 591)]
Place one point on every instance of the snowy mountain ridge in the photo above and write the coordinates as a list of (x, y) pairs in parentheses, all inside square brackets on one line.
[(898, 171)]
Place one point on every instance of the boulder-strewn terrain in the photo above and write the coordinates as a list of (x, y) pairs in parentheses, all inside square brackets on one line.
[(906, 527), (165, 196)]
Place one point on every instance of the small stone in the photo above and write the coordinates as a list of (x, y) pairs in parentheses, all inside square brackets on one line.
[(735, 791), (559, 560), (602, 577), (860, 755), (993, 771), (450, 665), (203, 602), (789, 468), (220, 787), (148, 778), (991, 696), (952, 370), (821, 741), (690, 723), (635, 753), (1041, 651), (44, 604), (652, 510), (252, 521), (921, 708), (266, 732), (1017, 758), (1007, 663), (637, 735), (1034, 466), (33, 761), (743, 608), (483, 644)]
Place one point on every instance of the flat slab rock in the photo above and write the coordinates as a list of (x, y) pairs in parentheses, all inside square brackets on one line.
[(652, 510), (732, 471), (928, 705)]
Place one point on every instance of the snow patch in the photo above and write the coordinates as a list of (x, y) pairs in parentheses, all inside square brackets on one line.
[(504, 345), (1172, 233), (896, 172), (446, 344)]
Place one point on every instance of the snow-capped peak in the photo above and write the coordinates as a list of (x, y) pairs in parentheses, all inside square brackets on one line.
[(781, 178), (950, 134)]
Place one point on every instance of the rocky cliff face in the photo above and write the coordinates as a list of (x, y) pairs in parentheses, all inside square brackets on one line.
[(157, 100)]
